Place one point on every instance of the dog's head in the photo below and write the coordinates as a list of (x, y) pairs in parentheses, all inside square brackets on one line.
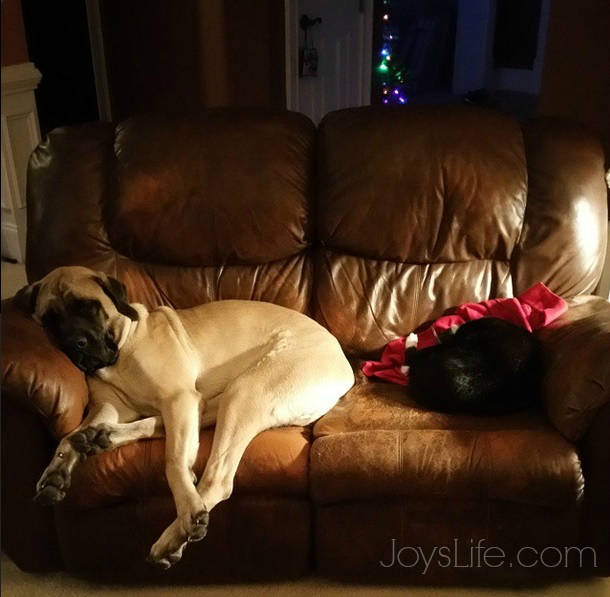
[(82, 311)]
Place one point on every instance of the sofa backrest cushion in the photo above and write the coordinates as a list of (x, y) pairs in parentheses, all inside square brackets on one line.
[(416, 210), (183, 211), (422, 209)]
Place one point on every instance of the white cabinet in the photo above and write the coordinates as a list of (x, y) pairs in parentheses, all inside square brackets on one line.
[(20, 135)]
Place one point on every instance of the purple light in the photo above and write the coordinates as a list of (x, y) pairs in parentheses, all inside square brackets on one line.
[(385, 101), (395, 91), (402, 100)]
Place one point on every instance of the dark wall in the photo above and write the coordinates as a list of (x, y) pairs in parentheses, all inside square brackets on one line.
[(184, 56), (14, 49), (576, 75)]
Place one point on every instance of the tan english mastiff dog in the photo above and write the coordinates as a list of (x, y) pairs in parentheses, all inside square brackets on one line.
[(244, 366)]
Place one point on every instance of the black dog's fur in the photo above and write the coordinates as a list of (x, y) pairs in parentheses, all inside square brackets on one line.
[(488, 367)]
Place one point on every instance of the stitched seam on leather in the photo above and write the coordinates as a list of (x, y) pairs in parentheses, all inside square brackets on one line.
[(527, 192), (368, 302), (517, 245), (418, 285), (347, 253), (141, 269)]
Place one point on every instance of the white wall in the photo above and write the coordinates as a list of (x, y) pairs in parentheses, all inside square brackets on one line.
[(474, 51), (473, 45)]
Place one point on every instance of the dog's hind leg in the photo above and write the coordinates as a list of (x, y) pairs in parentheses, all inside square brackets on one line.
[(237, 423), (235, 427), (210, 412), (243, 410), (275, 392), (181, 419)]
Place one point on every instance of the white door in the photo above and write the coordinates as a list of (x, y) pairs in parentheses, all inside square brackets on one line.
[(344, 45)]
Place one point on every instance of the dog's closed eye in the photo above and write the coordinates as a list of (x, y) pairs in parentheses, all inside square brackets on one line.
[(85, 307)]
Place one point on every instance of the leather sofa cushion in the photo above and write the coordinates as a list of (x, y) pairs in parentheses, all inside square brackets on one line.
[(577, 355), (366, 303), (375, 405), (423, 209), (275, 463), (37, 375), (183, 212), (537, 467), (377, 444), (395, 183), (217, 190)]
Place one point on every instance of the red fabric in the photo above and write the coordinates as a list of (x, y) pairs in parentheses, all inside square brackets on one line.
[(532, 310)]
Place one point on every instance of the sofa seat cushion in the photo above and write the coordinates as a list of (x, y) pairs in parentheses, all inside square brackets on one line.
[(376, 444), (275, 464), (375, 405)]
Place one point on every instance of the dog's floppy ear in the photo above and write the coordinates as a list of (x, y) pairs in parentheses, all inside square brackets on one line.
[(26, 298), (117, 293)]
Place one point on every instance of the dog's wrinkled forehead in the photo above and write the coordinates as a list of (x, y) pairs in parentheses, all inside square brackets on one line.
[(75, 283), (64, 286)]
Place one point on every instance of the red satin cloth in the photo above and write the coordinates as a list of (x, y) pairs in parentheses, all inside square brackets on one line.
[(532, 310)]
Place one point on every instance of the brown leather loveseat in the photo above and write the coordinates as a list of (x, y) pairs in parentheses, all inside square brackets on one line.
[(376, 222)]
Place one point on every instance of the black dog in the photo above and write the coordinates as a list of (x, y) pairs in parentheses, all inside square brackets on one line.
[(488, 367)]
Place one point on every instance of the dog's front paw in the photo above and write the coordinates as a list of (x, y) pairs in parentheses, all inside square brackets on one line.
[(92, 440), (53, 485)]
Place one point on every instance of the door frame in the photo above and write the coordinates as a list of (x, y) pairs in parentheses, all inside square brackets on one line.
[(98, 57)]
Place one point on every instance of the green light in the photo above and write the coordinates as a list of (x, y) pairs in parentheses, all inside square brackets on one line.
[(383, 67)]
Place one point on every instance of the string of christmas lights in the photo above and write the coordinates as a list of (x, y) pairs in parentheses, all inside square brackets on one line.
[(391, 74)]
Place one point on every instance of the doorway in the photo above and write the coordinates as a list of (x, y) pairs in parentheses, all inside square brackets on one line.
[(338, 45), (58, 43)]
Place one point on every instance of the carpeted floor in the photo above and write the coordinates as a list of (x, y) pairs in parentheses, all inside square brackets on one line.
[(13, 278), (18, 584)]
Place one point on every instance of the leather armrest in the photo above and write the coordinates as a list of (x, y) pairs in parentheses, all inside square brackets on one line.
[(38, 376), (595, 458), (577, 365)]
